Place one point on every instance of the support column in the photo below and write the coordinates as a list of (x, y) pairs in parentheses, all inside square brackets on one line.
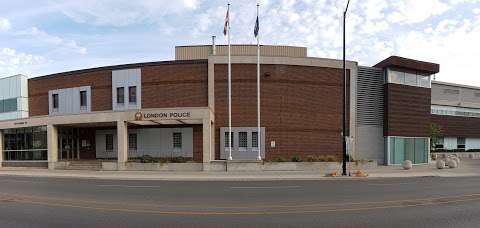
[(52, 146), (207, 140), (122, 144), (1, 148)]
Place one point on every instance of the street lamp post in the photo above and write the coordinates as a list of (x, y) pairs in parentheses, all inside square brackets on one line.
[(344, 101)]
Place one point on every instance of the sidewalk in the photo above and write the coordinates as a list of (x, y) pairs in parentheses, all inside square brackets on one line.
[(466, 168)]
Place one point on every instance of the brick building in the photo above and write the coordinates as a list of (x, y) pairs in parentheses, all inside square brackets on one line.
[(179, 109)]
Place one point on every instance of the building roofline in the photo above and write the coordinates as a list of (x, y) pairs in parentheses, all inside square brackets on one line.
[(456, 85), (122, 66), (264, 45), (16, 75)]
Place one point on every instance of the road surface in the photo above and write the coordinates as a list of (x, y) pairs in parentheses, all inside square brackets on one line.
[(400, 202)]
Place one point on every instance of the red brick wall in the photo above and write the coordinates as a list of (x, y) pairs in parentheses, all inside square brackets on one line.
[(175, 85), (458, 126), (198, 143), (100, 82), (301, 107), (407, 111), (163, 86)]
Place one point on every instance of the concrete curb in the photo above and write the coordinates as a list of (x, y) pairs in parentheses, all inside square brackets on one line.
[(274, 176)]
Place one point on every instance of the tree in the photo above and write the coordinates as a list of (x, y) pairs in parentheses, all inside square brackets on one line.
[(435, 135)]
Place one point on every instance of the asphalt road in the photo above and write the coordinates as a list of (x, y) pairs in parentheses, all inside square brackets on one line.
[(402, 202)]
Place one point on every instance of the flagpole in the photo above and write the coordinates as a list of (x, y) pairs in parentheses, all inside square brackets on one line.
[(259, 134), (229, 91)]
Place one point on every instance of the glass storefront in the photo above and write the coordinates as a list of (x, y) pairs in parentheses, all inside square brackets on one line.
[(404, 148), (24, 144)]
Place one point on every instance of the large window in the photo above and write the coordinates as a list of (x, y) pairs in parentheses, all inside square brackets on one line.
[(455, 111), (8, 105), (405, 148), (83, 99), (120, 95), (132, 94), (410, 78), (28, 143), (109, 142), (55, 101), (177, 140)]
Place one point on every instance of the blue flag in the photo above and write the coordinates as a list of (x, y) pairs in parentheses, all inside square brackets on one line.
[(257, 27)]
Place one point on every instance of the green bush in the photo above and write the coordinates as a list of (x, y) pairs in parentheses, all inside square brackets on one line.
[(296, 158), (312, 158), (281, 159)]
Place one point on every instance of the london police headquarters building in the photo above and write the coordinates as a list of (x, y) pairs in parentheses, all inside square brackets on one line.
[(179, 108)]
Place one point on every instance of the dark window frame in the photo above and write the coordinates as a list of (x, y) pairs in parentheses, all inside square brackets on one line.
[(55, 101), (121, 99), (177, 140), (132, 141), (83, 98), (109, 142), (132, 94)]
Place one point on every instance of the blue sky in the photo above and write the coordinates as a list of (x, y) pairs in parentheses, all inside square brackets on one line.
[(39, 37)]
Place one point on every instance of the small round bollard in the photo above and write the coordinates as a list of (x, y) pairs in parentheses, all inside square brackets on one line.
[(452, 164), (407, 165), (440, 164), (457, 160)]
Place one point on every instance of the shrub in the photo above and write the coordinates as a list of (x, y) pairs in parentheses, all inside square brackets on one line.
[(281, 159), (179, 159), (146, 159), (296, 158), (322, 158), (331, 158), (312, 158)]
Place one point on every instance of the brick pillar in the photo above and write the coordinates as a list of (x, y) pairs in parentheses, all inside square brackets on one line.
[(122, 144), (52, 145)]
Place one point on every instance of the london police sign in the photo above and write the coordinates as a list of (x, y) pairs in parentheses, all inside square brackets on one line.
[(161, 115)]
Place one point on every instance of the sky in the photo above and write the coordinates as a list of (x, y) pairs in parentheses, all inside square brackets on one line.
[(40, 37)]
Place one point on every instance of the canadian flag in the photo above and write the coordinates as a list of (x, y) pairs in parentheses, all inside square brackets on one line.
[(227, 21)]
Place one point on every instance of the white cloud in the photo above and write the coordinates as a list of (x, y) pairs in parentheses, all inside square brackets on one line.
[(13, 62), (455, 49), (54, 41), (124, 12), (4, 24), (415, 11)]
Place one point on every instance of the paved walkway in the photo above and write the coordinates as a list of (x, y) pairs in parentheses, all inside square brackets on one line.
[(466, 168)]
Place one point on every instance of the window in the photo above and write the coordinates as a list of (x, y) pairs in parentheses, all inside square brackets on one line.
[(411, 78), (132, 141), (439, 143), (255, 139), (120, 95), (8, 105), (177, 140), (396, 77), (132, 94), (109, 142), (460, 143), (227, 139), (55, 101), (83, 98), (406, 148), (242, 137)]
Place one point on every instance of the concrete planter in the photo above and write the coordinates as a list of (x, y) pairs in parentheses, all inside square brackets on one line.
[(170, 167)]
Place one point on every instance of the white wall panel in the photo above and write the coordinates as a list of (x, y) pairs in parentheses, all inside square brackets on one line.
[(125, 79), (69, 100), (156, 142), (472, 143)]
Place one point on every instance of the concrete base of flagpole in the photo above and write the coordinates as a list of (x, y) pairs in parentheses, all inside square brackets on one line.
[(259, 158), (230, 158)]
